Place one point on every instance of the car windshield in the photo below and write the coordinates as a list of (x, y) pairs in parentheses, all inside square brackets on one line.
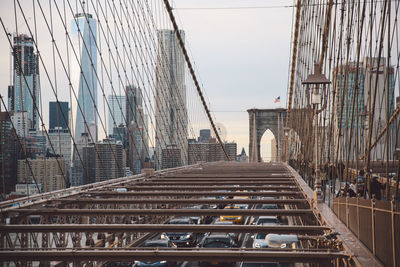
[(267, 220), (217, 243), (261, 236), (269, 206)]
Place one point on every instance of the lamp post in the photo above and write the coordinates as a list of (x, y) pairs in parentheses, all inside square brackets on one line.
[(316, 81), (286, 145)]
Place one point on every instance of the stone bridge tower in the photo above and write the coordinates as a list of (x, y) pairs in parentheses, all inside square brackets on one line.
[(261, 120)]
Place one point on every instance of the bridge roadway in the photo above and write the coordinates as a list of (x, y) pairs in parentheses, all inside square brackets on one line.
[(98, 224)]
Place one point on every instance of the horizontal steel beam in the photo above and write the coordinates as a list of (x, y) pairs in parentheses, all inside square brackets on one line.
[(205, 194), (208, 188), (179, 201), (194, 182), (247, 174), (158, 228), (161, 212), (222, 255), (201, 178)]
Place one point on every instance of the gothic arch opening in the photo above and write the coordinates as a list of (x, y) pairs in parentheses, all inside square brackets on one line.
[(261, 120), (267, 144)]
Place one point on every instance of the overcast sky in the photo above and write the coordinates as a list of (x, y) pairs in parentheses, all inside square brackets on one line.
[(241, 56)]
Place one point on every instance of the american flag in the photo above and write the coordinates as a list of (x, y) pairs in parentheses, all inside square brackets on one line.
[(277, 99)]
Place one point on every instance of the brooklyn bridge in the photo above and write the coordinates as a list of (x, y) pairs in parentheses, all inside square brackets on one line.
[(134, 170)]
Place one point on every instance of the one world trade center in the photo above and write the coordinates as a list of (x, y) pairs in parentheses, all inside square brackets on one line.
[(83, 75)]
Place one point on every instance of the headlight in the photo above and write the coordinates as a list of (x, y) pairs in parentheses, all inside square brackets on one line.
[(187, 236), (257, 245), (162, 262)]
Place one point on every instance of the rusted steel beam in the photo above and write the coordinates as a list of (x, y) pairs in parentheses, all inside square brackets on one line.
[(246, 175), (205, 194), (159, 182), (195, 179), (208, 188), (181, 201), (158, 228), (161, 212), (222, 255)]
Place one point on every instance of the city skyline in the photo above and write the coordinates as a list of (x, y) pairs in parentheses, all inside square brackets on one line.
[(209, 61), (161, 77)]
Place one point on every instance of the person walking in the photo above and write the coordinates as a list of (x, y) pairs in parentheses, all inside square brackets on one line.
[(361, 186), (376, 187)]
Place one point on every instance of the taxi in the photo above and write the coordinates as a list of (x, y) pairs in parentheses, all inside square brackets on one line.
[(237, 219)]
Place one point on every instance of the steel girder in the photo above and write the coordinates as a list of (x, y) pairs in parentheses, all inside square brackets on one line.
[(158, 228), (124, 254)]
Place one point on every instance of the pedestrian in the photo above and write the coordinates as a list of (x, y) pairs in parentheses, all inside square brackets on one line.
[(376, 187), (361, 188), (352, 190), (341, 167)]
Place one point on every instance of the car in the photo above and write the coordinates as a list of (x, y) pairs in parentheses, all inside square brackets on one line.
[(212, 206), (196, 219), (182, 239), (219, 222), (267, 220), (259, 240), (238, 219), (241, 197), (217, 240), (158, 243), (121, 190), (282, 241), (268, 207)]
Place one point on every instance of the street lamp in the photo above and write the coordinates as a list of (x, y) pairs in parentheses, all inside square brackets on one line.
[(286, 131), (316, 80)]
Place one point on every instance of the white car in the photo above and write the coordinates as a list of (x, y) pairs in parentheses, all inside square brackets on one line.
[(259, 240)]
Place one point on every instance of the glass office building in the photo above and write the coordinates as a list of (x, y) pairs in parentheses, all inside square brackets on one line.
[(83, 74)]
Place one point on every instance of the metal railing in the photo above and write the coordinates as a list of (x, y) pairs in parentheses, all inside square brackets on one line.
[(375, 222)]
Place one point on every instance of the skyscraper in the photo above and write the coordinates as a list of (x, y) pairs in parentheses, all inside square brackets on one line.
[(205, 135), (60, 140), (8, 157), (23, 95), (58, 115), (345, 78), (171, 111), (83, 74), (136, 134), (109, 160), (117, 112), (134, 105), (380, 83), (368, 77), (33, 169)]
